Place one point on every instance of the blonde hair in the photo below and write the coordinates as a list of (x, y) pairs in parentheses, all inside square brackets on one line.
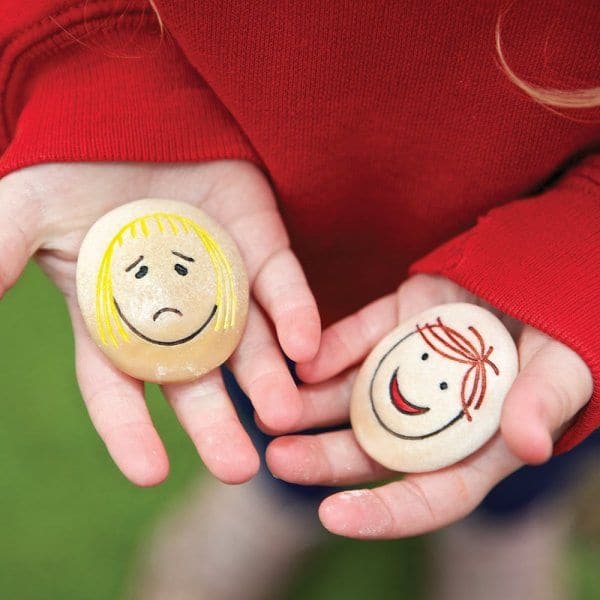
[(578, 98), (550, 97), (157, 15), (109, 324)]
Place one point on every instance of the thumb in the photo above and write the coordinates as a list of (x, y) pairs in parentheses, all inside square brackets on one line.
[(550, 389), (20, 227), (422, 291)]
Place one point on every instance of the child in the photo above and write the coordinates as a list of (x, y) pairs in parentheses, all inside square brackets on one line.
[(398, 151)]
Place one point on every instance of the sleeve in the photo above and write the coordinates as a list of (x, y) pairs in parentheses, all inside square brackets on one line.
[(98, 80), (538, 260)]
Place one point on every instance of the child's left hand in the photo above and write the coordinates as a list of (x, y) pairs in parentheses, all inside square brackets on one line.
[(45, 211), (553, 384)]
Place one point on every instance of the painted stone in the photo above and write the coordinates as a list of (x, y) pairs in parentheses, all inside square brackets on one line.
[(431, 392), (162, 289)]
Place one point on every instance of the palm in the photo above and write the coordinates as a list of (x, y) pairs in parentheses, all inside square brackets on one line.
[(552, 386), (48, 209)]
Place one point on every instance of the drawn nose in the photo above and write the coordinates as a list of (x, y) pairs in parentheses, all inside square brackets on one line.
[(165, 310)]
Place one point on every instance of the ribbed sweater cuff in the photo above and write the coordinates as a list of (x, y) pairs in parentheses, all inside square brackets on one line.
[(88, 84), (538, 260)]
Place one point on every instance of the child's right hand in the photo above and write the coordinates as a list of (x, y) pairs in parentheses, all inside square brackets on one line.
[(553, 384), (47, 209)]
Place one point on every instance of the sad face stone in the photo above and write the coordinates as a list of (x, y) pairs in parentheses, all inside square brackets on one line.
[(162, 289), (431, 392)]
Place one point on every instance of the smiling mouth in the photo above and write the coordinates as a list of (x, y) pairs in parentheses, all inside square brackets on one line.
[(164, 310), (412, 407), (182, 340), (400, 402)]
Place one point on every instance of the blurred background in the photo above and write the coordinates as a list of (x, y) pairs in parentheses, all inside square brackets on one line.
[(71, 527)]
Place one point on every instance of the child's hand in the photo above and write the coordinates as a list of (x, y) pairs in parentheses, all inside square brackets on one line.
[(48, 209), (554, 383)]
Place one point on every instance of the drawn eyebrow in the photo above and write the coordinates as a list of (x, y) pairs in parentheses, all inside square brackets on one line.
[(188, 258), (133, 264)]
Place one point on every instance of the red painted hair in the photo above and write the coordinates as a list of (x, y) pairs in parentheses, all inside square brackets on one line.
[(455, 346)]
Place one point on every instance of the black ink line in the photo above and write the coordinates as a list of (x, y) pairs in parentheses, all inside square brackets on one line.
[(133, 264), (164, 310), (460, 415), (188, 258), (160, 342)]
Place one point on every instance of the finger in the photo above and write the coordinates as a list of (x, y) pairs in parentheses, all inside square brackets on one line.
[(351, 339), (419, 503), (262, 373), (20, 227), (254, 221), (348, 341), (243, 202), (550, 389), (324, 404), (333, 458), (206, 413), (282, 290), (422, 291), (117, 408)]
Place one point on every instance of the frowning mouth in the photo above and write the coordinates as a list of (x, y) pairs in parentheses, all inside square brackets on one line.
[(182, 340), (164, 310)]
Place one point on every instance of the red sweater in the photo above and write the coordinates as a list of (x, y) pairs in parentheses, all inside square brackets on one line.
[(393, 140)]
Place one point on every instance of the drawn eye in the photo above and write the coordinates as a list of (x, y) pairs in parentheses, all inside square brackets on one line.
[(424, 356), (443, 385), (181, 269), (141, 272)]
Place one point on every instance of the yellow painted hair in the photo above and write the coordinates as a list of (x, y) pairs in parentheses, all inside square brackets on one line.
[(110, 326)]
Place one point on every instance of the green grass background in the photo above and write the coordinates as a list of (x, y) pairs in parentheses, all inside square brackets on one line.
[(71, 525)]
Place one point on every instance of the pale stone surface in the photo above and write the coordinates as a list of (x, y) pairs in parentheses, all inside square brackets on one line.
[(163, 290), (431, 392)]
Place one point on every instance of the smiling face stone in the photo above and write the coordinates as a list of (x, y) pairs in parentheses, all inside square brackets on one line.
[(162, 289), (414, 381), (431, 392)]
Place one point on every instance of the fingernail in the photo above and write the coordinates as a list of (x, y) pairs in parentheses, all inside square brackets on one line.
[(357, 513)]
